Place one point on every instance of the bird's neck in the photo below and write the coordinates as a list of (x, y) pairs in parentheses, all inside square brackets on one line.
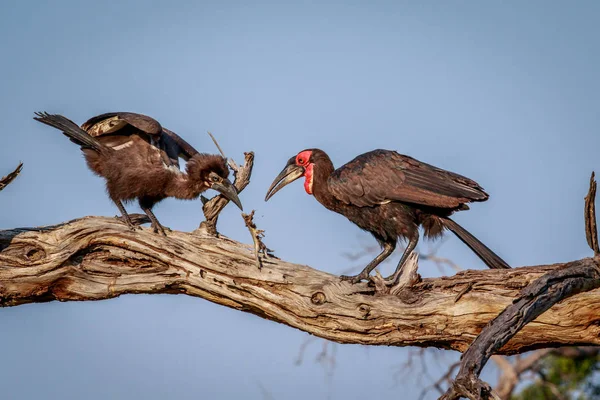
[(185, 188), (321, 172)]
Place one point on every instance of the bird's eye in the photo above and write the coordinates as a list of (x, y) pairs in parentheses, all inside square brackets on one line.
[(214, 179), (300, 161)]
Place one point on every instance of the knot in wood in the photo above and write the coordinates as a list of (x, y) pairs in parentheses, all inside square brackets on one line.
[(318, 298), (26, 252), (365, 310), (35, 253)]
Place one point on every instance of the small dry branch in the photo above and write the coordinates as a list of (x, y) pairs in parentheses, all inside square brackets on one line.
[(230, 161), (5, 180), (591, 230), (257, 235), (211, 208)]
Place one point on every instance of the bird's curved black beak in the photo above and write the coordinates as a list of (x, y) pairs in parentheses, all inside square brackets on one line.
[(290, 173), (227, 189)]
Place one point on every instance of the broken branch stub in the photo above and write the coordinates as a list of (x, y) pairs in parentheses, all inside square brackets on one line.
[(591, 229), (257, 235), (211, 208), (5, 180)]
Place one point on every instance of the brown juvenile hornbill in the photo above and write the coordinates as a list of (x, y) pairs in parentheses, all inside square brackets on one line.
[(389, 195), (138, 158)]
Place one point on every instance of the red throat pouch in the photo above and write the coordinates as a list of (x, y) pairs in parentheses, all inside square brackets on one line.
[(308, 175)]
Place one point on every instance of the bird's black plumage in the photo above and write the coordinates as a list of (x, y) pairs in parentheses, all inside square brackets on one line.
[(381, 176), (390, 195)]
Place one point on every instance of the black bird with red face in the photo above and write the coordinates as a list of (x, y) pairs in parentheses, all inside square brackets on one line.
[(389, 195)]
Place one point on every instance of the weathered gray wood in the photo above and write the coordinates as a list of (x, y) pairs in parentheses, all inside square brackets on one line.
[(552, 288), (535, 299), (96, 258), (213, 207)]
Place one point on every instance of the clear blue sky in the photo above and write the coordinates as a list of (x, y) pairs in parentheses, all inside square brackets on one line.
[(506, 93)]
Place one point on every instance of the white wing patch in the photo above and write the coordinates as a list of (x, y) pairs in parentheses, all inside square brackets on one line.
[(108, 125), (123, 146), (172, 168)]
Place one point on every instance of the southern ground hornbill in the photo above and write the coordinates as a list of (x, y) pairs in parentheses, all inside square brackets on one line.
[(389, 195), (139, 159)]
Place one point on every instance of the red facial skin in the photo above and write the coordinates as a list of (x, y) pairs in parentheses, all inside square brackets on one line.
[(302, 159)]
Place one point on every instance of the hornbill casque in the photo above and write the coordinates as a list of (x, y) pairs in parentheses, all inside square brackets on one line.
[(139, 159), (389, 195)]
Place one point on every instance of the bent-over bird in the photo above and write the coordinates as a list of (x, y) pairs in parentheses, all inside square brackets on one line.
[(138, 158), (389, 195)]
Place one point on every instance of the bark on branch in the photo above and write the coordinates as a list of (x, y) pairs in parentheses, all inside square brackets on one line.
[(96, 258), (563, 282), (213, 207)]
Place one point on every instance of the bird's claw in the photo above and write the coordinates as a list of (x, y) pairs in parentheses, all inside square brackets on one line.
[(354, 278), (132, 227), (160, 229)]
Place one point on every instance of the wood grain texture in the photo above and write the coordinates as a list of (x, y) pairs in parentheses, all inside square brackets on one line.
[(96, 258), (542, 294)]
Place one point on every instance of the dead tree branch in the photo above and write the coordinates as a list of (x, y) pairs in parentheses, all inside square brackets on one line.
[(257, 234), (5, 180), (211, 208), (591, 230), (563, 282), (96, 258)]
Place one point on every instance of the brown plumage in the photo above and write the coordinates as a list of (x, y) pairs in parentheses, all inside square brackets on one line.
[(139, 159), (390, 195)]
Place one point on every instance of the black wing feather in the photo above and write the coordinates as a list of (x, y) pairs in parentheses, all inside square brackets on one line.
[(171, 145), (183, 148), (382, 176)]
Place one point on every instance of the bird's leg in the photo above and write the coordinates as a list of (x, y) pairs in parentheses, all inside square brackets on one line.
[(125, 217), (388, 248), (146, 204), (412, 243), (158, 228)]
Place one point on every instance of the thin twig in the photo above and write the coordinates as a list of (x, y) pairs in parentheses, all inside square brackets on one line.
[(266, 393), (5, 180), (302, 350), (257, 235), (231, 163), (591, 230), (437, 385)]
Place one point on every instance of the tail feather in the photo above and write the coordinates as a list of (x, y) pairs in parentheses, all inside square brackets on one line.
[(491, 259), (71, 129)]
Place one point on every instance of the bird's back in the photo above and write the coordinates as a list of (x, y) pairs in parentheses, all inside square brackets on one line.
[(143, 160), (381, 176)]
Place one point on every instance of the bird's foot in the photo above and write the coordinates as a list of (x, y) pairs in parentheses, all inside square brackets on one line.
[(354, 278), (127, 221), (158, 228)]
